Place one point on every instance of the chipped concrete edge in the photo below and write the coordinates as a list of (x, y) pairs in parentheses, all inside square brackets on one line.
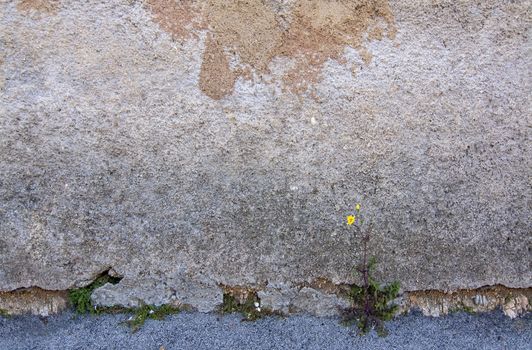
[(320, 299), (35, 301)]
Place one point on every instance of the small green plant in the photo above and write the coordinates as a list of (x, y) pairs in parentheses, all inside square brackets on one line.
[(370, 303), (469, 310), (80, 298), (4, 313), (144, 312), (246, 302), (462, 307), (249, 306)]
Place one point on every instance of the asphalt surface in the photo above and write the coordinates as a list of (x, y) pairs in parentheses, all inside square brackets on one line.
[(210, 331)]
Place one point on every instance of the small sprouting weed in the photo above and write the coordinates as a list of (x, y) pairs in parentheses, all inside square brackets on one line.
[(247, 307), (371, 303), (80, 298), (144, 312), (247, 304)]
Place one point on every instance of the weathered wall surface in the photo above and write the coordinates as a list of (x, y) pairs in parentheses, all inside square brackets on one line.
[(198, 144)]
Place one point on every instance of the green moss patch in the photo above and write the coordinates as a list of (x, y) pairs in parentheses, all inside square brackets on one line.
[(145, 312), (80, 298)]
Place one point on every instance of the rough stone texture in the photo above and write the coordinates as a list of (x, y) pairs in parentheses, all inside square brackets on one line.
[(113, 154), (291, 300), (512, 302), (33, 301), (184, 291)]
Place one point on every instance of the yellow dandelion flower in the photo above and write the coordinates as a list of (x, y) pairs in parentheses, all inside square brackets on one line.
[(357, 207), (351, 219)]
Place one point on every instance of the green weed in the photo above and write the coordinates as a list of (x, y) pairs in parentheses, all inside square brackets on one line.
[(248, 306), (80, 298), (145, 312), (371, 303)]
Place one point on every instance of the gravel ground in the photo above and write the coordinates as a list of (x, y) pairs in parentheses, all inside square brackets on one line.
[(210, 331)]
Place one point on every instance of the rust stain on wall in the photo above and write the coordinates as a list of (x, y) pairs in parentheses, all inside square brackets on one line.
[(44, 6), (217, 79), (179, 18), (321, 30), (254, 32)]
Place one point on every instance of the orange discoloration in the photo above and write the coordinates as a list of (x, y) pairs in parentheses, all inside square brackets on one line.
[(45, 6), (313, 32), (217, 79), (179, 18)]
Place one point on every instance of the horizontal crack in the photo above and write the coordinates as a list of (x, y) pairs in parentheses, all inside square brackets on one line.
[(512, 301)]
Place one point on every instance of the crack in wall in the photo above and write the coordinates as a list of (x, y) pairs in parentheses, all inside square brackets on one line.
[(513, 302)]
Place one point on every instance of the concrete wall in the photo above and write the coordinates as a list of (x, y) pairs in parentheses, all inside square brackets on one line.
[(193, 145)]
